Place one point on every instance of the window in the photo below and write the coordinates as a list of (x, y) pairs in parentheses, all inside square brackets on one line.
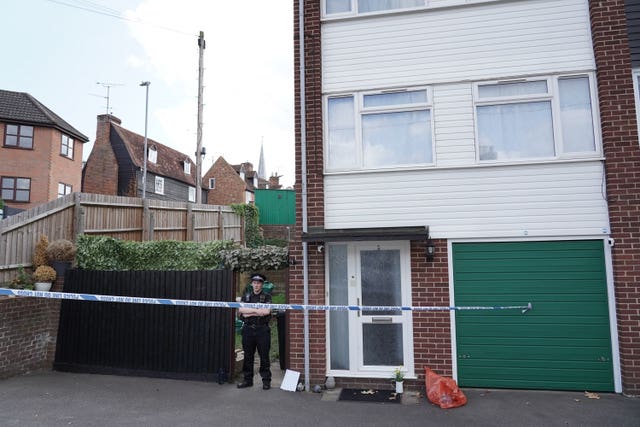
[(365, 6), (153, 155), (379, 130), (18, 136), (16, 189), (64, 189), (66, 149), (636, 89), (159, 185), (192, 194), (212, 183), (187, 167), (542, 118)]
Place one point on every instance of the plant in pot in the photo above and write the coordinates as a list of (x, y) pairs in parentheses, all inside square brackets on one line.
[(40, 252), (398, 377), (44, 277), (22, 281), (61, 254)]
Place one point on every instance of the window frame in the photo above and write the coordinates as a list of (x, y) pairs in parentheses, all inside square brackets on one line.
[(14, 189), (19, 136), (69, 145), (152, 154), (212, 183), (360, 110), (635, 73), (158, 186), (553, 96), (67, 189), (191, 196)]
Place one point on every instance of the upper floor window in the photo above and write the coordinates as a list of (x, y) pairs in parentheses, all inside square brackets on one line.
[(212, 183), (636, 89), (66, 148), (64, 189), (366, 6), (153, 155), (379, 130), (159, 185), (18, 136), (187, 167), (16, 189), (539, 118)]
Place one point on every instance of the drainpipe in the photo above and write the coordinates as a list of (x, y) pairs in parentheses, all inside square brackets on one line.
[(303, 173)]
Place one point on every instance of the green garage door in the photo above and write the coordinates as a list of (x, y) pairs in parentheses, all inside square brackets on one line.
[(564, 343)]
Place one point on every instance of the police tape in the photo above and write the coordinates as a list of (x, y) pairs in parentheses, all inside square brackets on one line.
[(222, 304)]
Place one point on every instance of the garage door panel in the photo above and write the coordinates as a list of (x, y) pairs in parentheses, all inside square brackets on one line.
[(562, 343)]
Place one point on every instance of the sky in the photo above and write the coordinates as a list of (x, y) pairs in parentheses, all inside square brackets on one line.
[(69, 54)]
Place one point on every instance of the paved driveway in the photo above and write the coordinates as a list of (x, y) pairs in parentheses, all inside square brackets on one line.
[(68, 399)]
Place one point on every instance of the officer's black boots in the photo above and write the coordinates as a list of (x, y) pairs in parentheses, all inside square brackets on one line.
[(266, 385), (245, 384)]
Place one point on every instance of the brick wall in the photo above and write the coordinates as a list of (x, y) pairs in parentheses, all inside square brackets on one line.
[(44, 165), (622, 164), (28, 333), (100, 175), (229, 187)]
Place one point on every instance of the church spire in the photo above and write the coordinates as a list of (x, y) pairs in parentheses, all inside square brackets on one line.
[(261, 166)]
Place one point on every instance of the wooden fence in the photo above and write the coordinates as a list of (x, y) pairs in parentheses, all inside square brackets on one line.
[(126, 218), (147, 340)]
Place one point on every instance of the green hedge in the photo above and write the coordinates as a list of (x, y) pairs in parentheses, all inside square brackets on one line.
[(106, 253)]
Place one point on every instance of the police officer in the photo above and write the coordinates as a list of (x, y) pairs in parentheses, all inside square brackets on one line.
[(256, 333)]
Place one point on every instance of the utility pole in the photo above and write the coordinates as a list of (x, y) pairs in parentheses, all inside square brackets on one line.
[(146, 116), (199, 150)]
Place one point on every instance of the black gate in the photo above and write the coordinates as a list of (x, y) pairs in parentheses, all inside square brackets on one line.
[(147, 340)]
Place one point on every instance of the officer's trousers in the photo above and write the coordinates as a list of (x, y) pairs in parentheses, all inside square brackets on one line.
[(256, 337)]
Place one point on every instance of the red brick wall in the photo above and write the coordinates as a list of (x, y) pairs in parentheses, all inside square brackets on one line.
[(44, 165), (229, 187), (101, 170), (29, 329), (622, 152)]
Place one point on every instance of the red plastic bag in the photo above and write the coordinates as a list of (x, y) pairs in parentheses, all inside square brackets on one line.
[(443, 391)]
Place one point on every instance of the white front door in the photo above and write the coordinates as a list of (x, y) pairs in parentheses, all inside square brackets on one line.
[(369, 343)]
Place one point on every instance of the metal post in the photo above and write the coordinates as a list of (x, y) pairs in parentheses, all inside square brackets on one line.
[(146, 117), (199, 150)]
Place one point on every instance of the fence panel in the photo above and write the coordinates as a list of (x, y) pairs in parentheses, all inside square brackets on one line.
[(126, 218), (147, 340)]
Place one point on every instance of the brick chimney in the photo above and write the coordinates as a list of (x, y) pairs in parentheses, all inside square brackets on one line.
[(274, 182), (100, 173)]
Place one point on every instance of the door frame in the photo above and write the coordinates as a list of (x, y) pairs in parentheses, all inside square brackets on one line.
[(357, 368)]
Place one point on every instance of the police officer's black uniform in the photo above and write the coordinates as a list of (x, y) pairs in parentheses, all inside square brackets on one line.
[(256, 334)]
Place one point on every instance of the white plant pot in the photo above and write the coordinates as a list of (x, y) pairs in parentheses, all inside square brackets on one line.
[(399, 387), (43, 286)]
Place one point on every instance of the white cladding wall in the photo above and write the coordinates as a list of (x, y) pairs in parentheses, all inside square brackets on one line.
[(551, 199), (475, 42)]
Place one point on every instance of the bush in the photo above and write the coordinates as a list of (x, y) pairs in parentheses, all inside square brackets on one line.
[(44, 273), (22, 280), (61, 250), (40, 252)]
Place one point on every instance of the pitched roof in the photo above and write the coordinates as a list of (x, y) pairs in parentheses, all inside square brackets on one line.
[(170, 162), (22, 108)]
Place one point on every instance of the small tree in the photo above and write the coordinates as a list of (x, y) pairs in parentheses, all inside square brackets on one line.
[(40, 253)]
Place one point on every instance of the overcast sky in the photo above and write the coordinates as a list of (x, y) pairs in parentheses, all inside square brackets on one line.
[(58, 51)]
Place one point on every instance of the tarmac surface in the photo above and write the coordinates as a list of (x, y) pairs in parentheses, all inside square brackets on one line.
[(70, 399)]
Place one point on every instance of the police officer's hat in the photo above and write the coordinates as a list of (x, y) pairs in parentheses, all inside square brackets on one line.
[(259, 277)]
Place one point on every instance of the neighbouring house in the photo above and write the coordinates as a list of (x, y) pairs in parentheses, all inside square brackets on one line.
[(228, 184), (116, 163), (41, 154), (467, 153)]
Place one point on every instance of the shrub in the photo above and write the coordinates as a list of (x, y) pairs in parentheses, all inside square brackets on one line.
[(44, 273), (61, 250), (40, 252), (22, 280)]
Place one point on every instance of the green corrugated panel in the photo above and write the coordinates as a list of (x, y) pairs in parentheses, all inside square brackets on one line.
[(564, 343), (276, 206)]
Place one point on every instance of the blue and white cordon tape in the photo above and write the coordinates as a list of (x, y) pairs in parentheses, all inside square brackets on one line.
[(222, 304)]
